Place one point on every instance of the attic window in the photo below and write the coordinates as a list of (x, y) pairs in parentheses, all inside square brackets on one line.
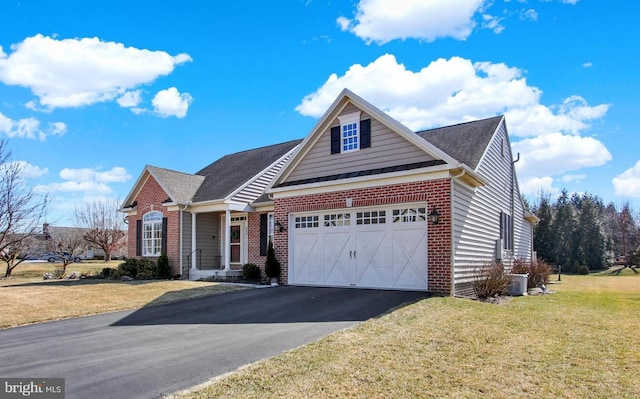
[(350, 132)]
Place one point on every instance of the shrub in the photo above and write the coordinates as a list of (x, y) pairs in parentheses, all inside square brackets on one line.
[(138, 268), (59, 272), (128, 268), (538, 272), (107, 272), (271, 265), (251, 271), (147, 269), (491, 280), (164, 268), (583, 270)]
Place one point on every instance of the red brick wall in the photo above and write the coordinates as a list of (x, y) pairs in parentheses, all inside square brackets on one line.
[(151, 198), (434, 193), (253, 223)]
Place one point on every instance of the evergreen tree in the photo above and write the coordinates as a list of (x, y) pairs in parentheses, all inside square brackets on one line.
[(542, 234), (590, 239), (563, 228)]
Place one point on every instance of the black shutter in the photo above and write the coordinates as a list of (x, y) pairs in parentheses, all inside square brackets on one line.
[(138, 237), (335, 140), (164, 236), (365, 133), (264, 236)]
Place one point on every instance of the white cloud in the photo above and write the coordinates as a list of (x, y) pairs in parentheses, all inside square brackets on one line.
[(587, 65), (493, 23), (74, 187), (551, 139), (117, 174), (381, 21), (79, 72), (573, 178), (130, 99), (530, 14), (628, 182), (29, 128), (557, 153), (536, 185), (171, 102), (30, 171), (86, 180), (451, 91)]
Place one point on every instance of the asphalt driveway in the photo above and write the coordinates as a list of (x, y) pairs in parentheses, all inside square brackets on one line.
[(157, 350)]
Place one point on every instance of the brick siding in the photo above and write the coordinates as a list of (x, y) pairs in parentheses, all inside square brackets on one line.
[(151, 197), (434, 193)]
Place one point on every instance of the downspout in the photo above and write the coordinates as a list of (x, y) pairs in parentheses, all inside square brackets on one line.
[(451, 262)]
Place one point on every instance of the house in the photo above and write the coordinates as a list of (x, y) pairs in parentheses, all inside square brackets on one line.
[(42, 242), (362, 201)]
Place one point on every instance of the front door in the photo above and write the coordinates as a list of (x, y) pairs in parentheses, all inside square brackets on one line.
[(235, 243)]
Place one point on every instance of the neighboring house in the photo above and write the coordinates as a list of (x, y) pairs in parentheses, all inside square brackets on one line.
[(362, 201), (41, 244)]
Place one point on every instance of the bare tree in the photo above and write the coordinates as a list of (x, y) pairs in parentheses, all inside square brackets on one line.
[(105, 225), (21, 210), (68, 245), (15, 253)]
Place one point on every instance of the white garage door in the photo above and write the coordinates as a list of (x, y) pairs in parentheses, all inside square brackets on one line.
[(367, 248)]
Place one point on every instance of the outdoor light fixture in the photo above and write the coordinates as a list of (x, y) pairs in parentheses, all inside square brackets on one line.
[(279, 227), (434, 216)]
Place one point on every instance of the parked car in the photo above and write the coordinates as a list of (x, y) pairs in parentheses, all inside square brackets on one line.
[(54, 257)]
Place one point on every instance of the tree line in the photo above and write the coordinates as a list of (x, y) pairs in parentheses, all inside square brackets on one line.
[(580, 230)]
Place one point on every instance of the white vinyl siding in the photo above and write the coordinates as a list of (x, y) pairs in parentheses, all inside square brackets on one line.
[(476, 214)]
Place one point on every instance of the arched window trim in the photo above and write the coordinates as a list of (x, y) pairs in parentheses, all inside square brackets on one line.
[(152, 233)]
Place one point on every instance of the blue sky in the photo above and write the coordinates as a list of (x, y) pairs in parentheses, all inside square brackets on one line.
[(91, 92)]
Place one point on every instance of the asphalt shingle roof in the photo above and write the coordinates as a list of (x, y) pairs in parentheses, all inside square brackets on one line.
[(225, 175), (182, 186), (464, 142)]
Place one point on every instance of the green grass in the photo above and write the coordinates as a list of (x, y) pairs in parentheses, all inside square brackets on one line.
[(579, 342)]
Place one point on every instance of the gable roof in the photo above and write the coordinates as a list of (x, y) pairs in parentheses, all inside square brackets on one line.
[(465, 142), (224, 176), (179, 186), (345, 97)]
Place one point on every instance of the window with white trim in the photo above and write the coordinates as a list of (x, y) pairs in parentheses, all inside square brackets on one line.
[(306, 222), (350, 132), (270, 227), (152, 233), (409, 215), (371, 217), (337, 220)]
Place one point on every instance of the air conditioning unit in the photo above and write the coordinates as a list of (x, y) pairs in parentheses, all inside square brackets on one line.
[(517, 285)]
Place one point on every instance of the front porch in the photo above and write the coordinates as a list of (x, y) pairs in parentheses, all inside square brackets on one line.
[(214, 245)]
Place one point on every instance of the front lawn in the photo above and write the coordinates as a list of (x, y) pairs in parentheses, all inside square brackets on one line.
[(580, 342)]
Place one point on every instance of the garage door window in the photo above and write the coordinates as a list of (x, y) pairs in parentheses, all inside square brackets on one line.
[(409, 215), (371, 217), (306, 222), (337, 220)]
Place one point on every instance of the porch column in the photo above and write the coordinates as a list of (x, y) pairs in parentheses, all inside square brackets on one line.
[(227, 240), (194, 259)]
